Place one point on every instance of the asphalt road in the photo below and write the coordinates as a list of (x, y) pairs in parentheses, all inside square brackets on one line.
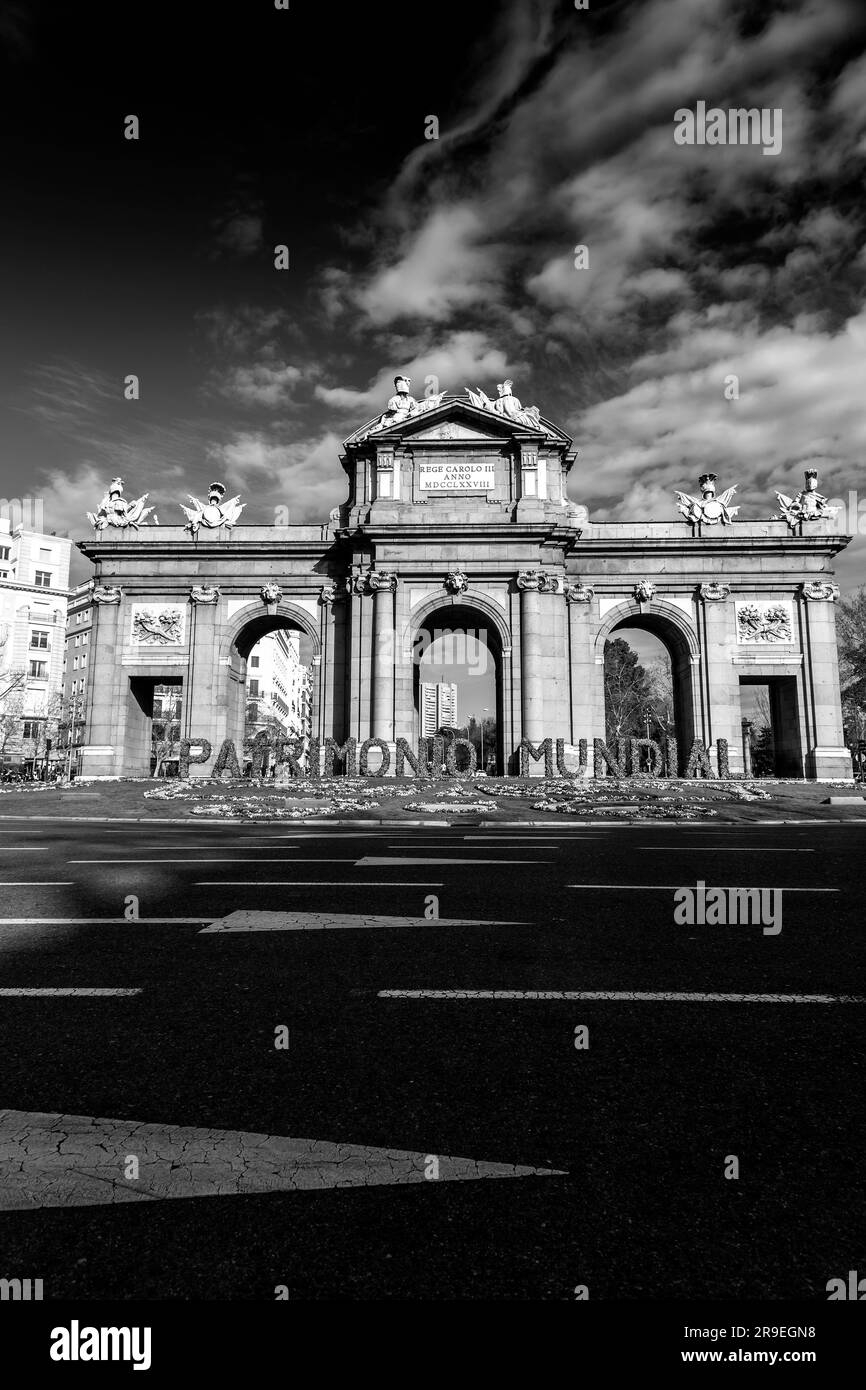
[(402, 1100)]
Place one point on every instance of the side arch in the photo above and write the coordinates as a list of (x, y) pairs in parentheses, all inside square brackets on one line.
[(259, 620), (673, 627)]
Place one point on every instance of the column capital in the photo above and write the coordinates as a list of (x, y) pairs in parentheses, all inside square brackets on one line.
[(107, 593), (538, 581), (334, 592), (818, 589), (379, 580), (715, 592), (204, 593), (579, 593)]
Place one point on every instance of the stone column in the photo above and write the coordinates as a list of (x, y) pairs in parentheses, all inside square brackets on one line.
[(585, 677), (332, 631), (201, 695), (384, 586), (532, 638), (102, 753), (404, 702), (827, 756), (721, 676)]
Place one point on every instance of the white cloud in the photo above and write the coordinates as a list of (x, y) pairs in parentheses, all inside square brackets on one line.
[(463, 359), (304, 476), (261, 384), (444, 267), (800, 399)]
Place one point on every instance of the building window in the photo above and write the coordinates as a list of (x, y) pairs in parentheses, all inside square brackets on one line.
[(39, 670), (30, 729), (40, 639), (254, 689), (84, 637), (254, 662), (84, 658), (4, 552), (43, 579)]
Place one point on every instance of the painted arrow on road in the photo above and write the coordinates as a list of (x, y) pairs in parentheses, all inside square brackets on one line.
[(49, 1160), (251, 920)]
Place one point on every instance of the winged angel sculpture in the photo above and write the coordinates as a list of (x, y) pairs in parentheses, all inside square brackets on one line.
[(708, 509), (215, 512)]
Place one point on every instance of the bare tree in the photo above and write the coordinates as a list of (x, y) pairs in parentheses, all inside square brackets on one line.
[(851, 637), (11, 704), (626, 690), (764, 718), (661, 699)]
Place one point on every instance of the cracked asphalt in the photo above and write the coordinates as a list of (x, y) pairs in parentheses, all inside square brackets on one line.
[(322, 1109)]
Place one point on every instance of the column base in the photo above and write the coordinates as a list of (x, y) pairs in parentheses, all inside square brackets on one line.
[(826, 764), (98, 760)]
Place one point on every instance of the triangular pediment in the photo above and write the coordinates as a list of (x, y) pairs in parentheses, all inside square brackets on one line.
[(454, 418), (451, 429)]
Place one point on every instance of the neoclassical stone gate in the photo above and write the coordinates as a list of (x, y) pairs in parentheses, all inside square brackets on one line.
[(458, 516)]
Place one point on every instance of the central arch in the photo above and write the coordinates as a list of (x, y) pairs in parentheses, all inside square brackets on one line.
[(466, 613), (672, 627)]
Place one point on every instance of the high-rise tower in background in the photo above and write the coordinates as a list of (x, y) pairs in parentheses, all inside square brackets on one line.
[(438, 706)]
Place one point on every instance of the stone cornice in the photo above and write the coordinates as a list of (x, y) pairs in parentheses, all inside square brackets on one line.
[(695, 547), (32, 589)]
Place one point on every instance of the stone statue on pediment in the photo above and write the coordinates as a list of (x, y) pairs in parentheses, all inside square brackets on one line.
[(808, 505), (708, 509), (214, 513), (507, 405), (114, 510), (403, 405)]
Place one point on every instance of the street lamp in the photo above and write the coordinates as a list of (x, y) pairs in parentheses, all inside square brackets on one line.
[(483, 766)]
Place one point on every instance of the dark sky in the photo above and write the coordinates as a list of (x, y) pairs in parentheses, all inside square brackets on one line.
[(452, 258)]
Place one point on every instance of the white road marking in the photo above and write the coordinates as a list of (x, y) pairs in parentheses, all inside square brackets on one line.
[(731, 849), (95, 921), (667, 887), (521, 844), (309, 883), (223, 859), (244, 843), (19, 849), (627, 996), (53, 1160), (327, 921), (64, 993), (39, 883), (375, 861)]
